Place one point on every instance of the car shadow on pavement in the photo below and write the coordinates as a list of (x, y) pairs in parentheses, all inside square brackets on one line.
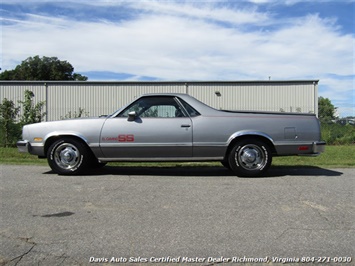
[(274, 171)]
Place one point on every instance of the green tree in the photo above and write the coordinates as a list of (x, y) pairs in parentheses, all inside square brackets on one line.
[(79, 77), (9, 130), (31, 113), (42, 68), (326, 110)]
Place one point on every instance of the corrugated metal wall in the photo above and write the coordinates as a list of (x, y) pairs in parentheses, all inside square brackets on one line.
[(98, 98), (291, 97)]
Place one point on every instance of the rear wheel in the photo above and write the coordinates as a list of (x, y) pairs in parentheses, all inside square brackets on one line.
[(250, 158), (68, 156)]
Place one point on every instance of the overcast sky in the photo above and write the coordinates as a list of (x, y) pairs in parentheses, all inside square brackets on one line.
[(190, 40)]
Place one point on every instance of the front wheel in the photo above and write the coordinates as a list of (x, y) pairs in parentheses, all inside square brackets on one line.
[(250, 158), (68, 156)]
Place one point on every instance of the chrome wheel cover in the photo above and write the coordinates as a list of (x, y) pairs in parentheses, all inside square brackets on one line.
[(67, 156), (251, 157)]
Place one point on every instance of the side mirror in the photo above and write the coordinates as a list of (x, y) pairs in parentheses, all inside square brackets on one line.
[(132, 116)]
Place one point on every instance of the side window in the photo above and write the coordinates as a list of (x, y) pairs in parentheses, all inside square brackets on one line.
[(136, 106), (190, 110), (162, 107)]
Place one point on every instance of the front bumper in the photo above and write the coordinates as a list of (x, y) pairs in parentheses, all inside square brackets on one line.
[(32, 148), (23, 146)]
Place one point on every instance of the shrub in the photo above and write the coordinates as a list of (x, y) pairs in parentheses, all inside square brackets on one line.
[(9, 130), (336, 134)]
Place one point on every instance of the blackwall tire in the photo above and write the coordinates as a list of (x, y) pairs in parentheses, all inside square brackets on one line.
[(250, 158), (95, 164), (225, 163), (68, 156)]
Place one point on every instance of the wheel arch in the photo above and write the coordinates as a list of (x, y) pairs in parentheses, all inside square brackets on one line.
[(250, 135), (54, 137)]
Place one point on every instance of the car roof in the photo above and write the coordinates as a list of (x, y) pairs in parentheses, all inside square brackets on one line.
[(198, 105), (164, 94)]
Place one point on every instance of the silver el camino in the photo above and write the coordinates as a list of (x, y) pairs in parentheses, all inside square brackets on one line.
[(173, 127)]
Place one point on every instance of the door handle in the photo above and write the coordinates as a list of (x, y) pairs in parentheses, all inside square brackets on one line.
[(185, 125)]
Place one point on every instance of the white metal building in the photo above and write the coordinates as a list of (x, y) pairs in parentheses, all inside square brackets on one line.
[(99, 98)]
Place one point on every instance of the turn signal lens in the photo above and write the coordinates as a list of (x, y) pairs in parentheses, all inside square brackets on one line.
[(37, 139)]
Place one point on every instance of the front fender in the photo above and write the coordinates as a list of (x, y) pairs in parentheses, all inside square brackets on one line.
[(65, 133), (53, 136)]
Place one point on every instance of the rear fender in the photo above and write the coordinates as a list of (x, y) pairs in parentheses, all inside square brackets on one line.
[(250, 134)]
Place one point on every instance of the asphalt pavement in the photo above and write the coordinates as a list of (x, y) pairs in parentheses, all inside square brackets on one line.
[(184, 215)]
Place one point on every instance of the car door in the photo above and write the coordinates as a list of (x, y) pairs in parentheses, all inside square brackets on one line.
[(152, 127)]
